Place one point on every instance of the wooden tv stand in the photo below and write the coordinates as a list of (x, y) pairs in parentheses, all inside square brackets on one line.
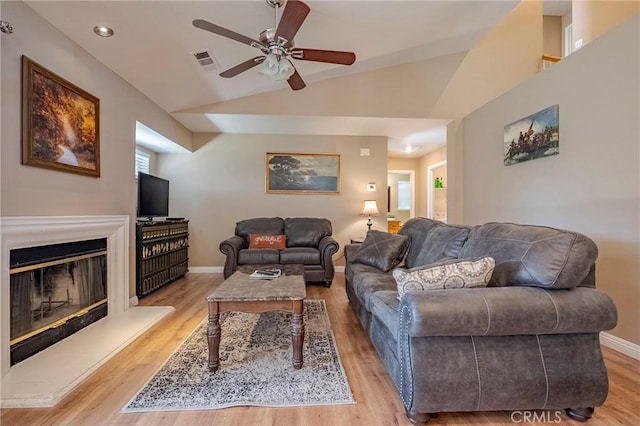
[(162, 254)]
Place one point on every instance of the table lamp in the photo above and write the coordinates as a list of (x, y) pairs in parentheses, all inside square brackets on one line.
[(370, 209)]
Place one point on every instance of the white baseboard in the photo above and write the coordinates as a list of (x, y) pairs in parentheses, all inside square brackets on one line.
[(205, 269), (219, 269), (620, 345)]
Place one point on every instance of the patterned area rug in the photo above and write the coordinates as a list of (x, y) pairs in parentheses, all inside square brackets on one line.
[(256, 369)]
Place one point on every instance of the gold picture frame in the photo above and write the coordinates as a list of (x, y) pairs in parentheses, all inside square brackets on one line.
[(60, 123), (289, 173)]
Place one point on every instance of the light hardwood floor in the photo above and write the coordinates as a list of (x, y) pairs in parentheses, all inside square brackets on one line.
[(98, 400)]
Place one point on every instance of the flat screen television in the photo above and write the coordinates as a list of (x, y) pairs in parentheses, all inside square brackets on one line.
[(153, 196)]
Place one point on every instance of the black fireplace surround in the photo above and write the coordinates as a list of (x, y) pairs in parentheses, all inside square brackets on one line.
[(84, 263)]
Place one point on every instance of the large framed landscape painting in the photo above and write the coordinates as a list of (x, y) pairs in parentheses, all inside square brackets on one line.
[(302, 173), (60, 123), (532, 137)]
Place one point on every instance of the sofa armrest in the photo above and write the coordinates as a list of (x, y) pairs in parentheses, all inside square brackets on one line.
[(506, 311), (350, 251), (231, 248), (328, 246)]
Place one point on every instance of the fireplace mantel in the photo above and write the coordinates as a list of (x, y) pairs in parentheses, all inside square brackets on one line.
[(37, 381)]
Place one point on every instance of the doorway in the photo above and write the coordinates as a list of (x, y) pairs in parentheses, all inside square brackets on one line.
[(437, 191), (401, 197)]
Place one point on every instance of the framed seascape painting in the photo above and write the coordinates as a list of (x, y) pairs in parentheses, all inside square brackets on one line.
[(302, 173), (60, 123), (532, 137)]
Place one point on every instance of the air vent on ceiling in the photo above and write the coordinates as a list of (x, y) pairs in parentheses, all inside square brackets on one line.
[(205, 59)]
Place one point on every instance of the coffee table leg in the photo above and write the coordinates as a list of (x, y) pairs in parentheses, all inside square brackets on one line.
[(213, 337), (297, 333)]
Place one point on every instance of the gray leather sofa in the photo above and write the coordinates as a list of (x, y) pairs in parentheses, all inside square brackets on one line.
[(529, 340), (308, 242)]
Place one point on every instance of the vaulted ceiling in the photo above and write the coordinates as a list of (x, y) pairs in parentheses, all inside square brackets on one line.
[(154, 41)]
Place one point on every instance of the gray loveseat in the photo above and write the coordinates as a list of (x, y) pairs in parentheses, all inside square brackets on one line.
[(308, 242), (529, 340)]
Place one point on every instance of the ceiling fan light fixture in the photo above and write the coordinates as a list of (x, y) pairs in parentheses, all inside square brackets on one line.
[(270, 66), (277, 47), (285, 69)]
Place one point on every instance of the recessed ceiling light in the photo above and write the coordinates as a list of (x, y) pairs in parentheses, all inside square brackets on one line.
[(103, 31)]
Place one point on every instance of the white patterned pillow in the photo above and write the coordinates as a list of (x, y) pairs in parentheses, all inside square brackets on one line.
[(460, 273)]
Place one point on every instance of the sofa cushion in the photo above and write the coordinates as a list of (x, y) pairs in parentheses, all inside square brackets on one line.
[(352, 269), (306, 231), (531, 255), (259, 225), (367, 283), (459, 273), (304, 255), (417, 230), (246, 256), (384, 306), (443, 242), (382, 250), (267, 241)]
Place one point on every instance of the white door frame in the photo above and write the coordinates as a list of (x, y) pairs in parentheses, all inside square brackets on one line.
[(412, 187), (430, 191)]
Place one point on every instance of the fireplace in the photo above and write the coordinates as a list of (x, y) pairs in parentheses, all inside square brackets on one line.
[(47, 376), (55, 291)]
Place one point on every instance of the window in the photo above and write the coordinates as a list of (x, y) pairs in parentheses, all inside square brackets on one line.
[(404, 195), (142, 162)]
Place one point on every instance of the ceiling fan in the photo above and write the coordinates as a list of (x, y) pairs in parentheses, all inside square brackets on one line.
[(277, 46)]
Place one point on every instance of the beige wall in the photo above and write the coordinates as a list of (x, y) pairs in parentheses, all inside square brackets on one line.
[(222, 182), (552, 35), (32, 191), (593, 185), (455, 171), (591, 19), (507, 55), (395, 163)]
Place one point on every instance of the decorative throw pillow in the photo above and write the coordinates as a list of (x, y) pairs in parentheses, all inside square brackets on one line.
[(459, 273), (382, 250), (267, 241)]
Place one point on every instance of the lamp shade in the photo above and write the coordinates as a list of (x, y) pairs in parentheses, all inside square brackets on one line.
[(276, 67), (269, 67), (285, 69), (370, 208)]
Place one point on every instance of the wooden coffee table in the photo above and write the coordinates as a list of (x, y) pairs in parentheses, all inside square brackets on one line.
[(242, 294)]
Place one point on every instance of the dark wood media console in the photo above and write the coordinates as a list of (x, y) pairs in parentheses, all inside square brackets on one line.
[(162, 254)]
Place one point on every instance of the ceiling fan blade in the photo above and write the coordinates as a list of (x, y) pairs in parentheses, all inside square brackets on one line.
[(296, 82), (330, 56), (246, 65), (216, 29), (295, 12)]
